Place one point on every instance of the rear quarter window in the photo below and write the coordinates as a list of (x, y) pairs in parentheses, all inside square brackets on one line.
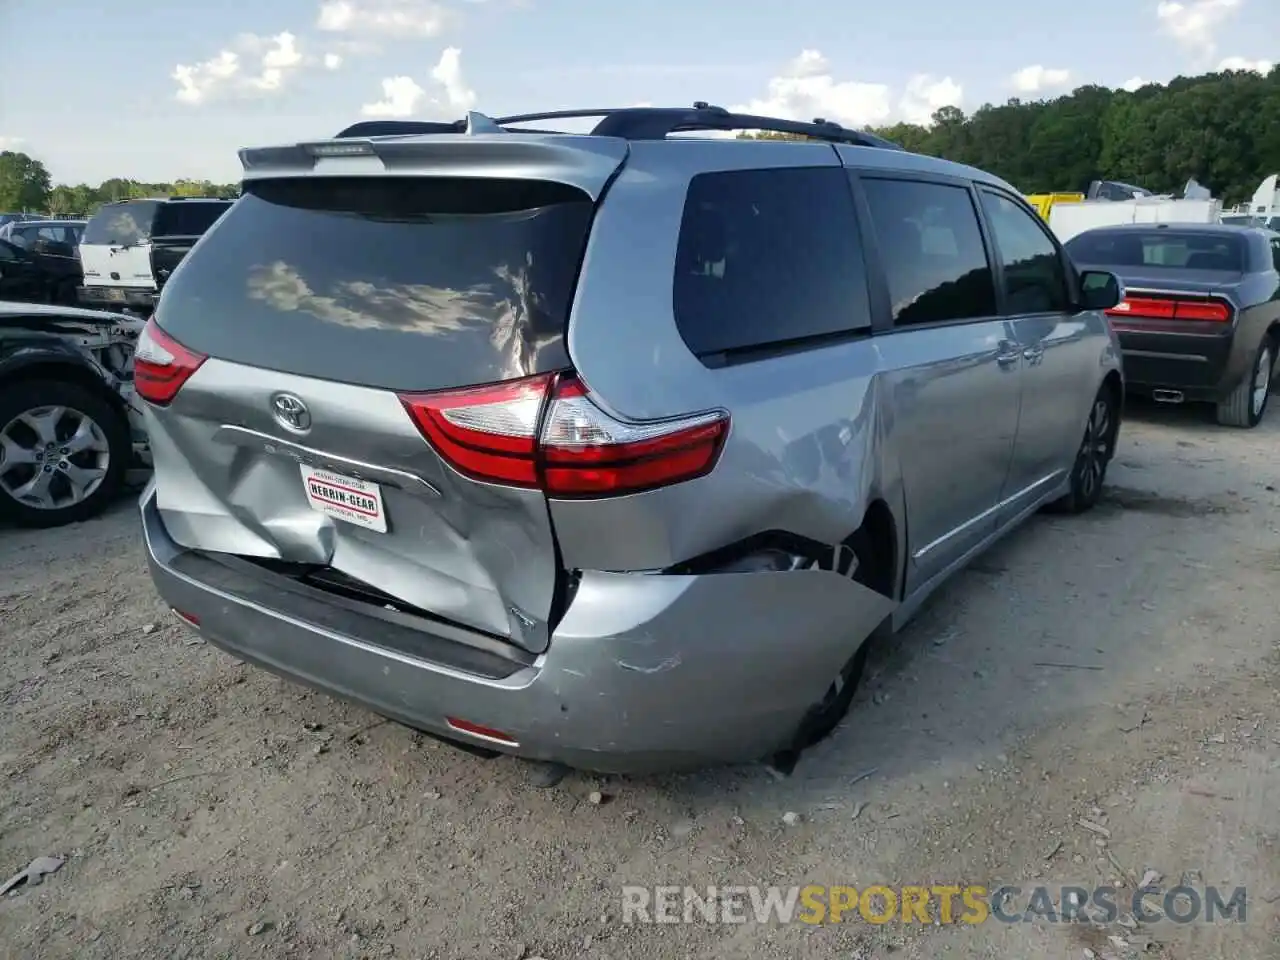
[(768, 257)]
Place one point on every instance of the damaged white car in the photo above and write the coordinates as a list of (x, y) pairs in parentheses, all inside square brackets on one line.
[(70, 428)]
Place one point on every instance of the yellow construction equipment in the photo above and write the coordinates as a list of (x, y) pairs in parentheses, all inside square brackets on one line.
[(1043, 202)]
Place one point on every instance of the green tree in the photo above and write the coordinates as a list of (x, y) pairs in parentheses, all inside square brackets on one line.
[(24, 182)]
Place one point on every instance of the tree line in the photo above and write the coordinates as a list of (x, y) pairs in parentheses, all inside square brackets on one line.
[(26, 187), (1222, 129)]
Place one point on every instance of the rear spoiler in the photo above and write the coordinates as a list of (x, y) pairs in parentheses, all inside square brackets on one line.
[(585, 162)]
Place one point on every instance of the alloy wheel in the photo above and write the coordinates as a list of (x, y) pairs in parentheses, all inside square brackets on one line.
[(52, 458), (1261, 381), (1091, 462)]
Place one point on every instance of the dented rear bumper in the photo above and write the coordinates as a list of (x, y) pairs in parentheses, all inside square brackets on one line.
[(645, 672)]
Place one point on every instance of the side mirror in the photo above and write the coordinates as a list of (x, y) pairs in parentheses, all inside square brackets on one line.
[(1100, 290)]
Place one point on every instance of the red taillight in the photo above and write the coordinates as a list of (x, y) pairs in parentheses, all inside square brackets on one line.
[(191, 618), (486, 433), (1214, 310), (501, 434), (1171, 308), (586, 452), (161, 365)]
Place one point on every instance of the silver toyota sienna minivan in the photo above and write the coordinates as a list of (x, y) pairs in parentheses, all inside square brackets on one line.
[(608, 449)]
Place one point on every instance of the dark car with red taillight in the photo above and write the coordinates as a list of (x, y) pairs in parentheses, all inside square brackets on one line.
[(1200, 320)]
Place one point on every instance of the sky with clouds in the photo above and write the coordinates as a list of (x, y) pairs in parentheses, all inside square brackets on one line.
[(156, 92)]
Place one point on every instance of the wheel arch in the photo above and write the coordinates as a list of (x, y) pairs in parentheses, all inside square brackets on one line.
[(883, 530), (63, 370)]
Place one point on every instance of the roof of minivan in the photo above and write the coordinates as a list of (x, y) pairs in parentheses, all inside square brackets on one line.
[(624, 124), (867, 156)]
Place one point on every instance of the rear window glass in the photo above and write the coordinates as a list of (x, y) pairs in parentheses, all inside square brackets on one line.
[(399, 283), (1160, 249), (768, 256), (187, 218), (120, 224)]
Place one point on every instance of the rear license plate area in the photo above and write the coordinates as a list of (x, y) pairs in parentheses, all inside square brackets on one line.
[(345, 498)]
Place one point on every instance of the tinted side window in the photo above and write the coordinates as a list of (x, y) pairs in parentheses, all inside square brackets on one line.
[(1034, 278), (7, 251), (187, 218), (766, 256), (932, 250)]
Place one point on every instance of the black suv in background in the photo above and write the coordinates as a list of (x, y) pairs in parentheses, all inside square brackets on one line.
[(130, 248), (47, 273)]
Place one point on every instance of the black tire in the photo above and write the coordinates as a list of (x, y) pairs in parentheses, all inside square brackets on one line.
[(1089, 474), (1239, 409), (32, 395), (823, 718)]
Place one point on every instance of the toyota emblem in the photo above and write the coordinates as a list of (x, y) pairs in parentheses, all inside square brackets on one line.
[(291, 413)]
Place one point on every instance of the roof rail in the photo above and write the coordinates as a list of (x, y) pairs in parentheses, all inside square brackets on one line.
[(632, 123)]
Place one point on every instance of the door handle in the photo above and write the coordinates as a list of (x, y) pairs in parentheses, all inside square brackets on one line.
[(1008, 354), (1033, 355)]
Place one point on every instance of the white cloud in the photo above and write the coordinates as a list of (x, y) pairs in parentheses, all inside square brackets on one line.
[(1036, 78), (400, 98), (1195, 23), (332, 61), (448, 73), (280, 57), (393, 18), (806, 90), (198, 81), (1243, 63), (926, 95), (11, 143), (1135, 83), (403, 97), (275, 59)]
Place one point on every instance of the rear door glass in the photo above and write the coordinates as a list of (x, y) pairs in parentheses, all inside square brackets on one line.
[(401, 283), (187, 218), (932, 250), (768, 257), (121, 224)]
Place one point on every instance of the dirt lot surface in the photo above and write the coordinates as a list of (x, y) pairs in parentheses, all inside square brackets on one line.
[(1119, 668)]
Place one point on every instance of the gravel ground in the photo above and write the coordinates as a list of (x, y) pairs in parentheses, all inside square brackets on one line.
[(1119, 667)]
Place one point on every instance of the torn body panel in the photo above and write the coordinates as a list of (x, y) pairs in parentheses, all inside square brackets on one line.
[(101, 343), (633, 680), (231, 481)]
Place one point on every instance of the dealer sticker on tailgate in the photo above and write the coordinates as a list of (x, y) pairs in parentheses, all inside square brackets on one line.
[(346, 498)]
